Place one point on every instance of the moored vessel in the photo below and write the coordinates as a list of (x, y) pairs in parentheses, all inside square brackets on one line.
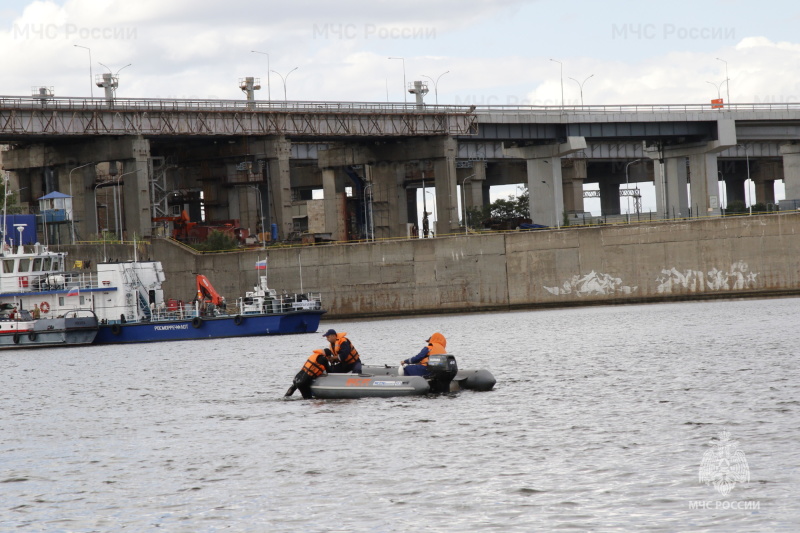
[(126, 303)]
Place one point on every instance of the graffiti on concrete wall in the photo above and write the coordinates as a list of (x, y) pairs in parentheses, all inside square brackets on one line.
[(592, 284), (737, 278)]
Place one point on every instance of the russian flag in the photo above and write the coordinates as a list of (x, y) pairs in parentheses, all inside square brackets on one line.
[(261, 265), (73, 291)]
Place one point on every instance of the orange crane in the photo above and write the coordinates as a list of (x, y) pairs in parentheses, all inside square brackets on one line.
[(206, 292), (180, 225)]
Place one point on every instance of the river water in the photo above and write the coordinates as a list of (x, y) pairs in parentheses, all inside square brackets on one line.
[(600, 421)]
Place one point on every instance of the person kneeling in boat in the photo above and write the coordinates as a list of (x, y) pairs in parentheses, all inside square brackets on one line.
[(314, 367), (418, 365), (345, 356)]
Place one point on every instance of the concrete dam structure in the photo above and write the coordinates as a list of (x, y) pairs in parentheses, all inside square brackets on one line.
[(729, 257)]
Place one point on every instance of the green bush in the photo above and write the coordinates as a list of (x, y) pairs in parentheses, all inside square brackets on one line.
[(217, 242)]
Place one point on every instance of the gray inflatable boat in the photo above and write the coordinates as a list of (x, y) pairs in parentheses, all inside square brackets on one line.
[(386, 381)]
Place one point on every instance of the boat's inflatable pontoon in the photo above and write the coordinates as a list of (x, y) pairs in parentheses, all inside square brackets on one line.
[(386, 381)]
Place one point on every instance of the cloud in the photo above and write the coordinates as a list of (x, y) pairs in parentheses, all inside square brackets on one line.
[(193, 48)]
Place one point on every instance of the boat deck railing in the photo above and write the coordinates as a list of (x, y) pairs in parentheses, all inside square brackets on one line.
[(187, 310), (48, 281)]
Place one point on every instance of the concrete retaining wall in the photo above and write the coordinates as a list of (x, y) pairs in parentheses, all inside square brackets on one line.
[(730, 257)]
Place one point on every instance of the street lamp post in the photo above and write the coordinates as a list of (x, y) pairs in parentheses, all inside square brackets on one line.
[(727, 81), (72, 200), (627, 186), (120, 70), (269, 94), (464, 201), (91, 76), (580, 85), (433, 199), (405, 96), (435, 84), (561, 69), (718, 86), (283, 79)]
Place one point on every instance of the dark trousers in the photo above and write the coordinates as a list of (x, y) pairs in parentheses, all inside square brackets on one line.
[(302, 382), (340, 368)]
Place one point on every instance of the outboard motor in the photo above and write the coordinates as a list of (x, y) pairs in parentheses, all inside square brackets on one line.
[(441, 371)]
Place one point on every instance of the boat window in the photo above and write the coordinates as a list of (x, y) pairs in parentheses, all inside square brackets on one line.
[(47, 264), (8, 265), (56, 264), (37, 264), (61, 301), (25, 265)]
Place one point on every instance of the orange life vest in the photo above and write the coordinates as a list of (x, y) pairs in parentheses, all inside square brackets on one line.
[(436, 346), (347, 358), (312, 367)]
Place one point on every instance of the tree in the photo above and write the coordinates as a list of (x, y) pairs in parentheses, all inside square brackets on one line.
[(12, 208), (511, 208)]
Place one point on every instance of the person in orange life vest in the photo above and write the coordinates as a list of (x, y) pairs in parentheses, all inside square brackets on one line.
[(418, 365), (316, 365), (345, 356)]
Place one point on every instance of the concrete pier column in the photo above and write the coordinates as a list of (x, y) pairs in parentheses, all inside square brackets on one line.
[(136, 191), (672, 199), (704, 185), (573, 174), (609, 198), (243, 205), (472, 192), (331, 202), (280, 187), (765, 191), (735, 190), (83, 190), (791, 170), (386, 199), (544, 178), (444, 170), (546, 192), (764, 174)]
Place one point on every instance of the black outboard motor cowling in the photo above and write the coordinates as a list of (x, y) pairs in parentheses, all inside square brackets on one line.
[(441, 371)]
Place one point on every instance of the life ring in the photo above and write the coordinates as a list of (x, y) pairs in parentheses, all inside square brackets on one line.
[(44, 307), (116, 329), (197, 322), (32, 336), (16, 338), (238, 320)]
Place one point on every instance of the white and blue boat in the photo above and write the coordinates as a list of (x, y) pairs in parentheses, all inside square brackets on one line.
[(31, 283), (137, 311), (126, 302)]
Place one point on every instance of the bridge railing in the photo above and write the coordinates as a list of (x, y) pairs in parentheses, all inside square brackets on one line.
[(639, 108), (173, 105)]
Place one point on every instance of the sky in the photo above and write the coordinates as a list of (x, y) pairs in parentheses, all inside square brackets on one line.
[(500, 52)]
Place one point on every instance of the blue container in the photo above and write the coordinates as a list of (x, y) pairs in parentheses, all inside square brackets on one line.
[(274, 233)]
